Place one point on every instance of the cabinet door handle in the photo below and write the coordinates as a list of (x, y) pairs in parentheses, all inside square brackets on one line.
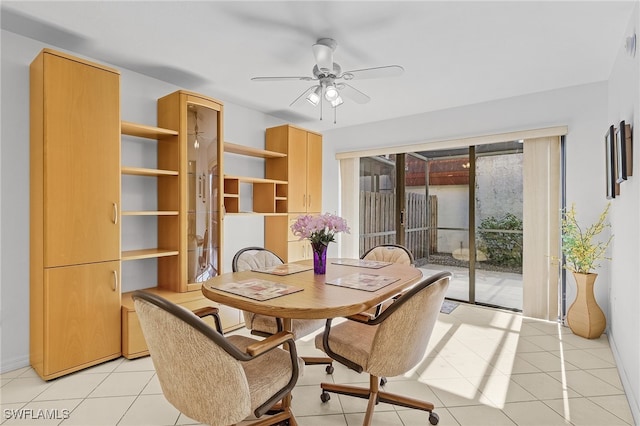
[(304, 200), (204, 188), (115, 213), (309, 198), (115, 281)]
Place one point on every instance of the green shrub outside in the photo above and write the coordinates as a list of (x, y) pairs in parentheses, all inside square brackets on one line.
[(501, 248)]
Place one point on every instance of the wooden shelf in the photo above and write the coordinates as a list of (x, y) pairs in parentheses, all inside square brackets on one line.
[(247, 179), (147, 254), (268, 195), (140, 171), (149, 213), (251, 152), (143, 131), (256, 214)]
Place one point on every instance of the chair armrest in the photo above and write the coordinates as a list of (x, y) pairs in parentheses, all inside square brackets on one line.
[(362, 317), (207, 310), (269, 343), (210, 311)]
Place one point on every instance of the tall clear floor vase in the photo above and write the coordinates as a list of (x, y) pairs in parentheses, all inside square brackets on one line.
[(319, 258), (585, 318)]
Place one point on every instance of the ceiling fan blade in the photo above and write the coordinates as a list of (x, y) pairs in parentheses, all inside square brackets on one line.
[(353, 93), (303, 94), (324, 56), (376, 72), (282, 78)]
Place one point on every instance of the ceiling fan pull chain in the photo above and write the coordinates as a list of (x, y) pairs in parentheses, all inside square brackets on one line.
[(335, 114)]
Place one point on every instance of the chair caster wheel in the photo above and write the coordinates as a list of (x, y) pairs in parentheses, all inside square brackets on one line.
[(324, 397), (329, 369), (383, 381), (434, 418)]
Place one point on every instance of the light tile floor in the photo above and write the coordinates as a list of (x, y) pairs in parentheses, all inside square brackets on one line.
[(483, 367), (503, 289)]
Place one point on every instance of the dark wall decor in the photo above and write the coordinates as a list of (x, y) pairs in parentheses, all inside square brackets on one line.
[(624, 152), (610, 157)]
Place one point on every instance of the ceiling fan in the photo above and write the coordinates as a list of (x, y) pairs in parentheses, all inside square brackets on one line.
[(331, 80)]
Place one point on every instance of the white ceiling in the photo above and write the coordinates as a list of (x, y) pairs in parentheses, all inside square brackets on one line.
[(454, 53)]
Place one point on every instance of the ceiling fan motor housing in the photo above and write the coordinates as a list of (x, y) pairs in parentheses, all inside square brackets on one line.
[(322, 73)]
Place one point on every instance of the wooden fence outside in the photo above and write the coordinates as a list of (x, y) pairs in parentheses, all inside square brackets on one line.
[(377, 221)]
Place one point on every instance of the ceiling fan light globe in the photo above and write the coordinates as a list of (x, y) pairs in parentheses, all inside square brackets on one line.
[(331, 93), (337, 101), (314, 96), (313, 99)]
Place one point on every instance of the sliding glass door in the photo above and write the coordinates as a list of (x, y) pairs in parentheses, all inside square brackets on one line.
[(377, 201), (459, 210), (498, 224), (448, 174)]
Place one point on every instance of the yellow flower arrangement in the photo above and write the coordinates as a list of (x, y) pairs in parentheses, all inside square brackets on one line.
[(582, 254)]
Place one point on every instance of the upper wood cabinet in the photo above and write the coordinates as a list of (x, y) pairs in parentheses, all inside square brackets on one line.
[(75, 133), (302, 167), (74, 214), (196, 152)]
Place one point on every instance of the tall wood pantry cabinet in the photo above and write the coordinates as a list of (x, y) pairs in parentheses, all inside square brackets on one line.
[(302, 168), (74, 220)]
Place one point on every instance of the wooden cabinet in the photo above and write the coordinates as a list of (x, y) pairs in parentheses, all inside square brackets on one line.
[(196, 153), (302, 169), (74, 217), (82, 315)]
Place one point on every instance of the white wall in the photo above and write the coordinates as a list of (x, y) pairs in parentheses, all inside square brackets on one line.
[(624, 297), (139, 94), (584, 109)]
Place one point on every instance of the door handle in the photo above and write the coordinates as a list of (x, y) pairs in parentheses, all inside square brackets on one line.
[(115, 281), (204, 188), (115, 213)]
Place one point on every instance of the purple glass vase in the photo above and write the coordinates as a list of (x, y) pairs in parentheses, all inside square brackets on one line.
[(319, 258)]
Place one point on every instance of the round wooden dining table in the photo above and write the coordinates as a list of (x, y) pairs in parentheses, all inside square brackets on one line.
[(314, 296), (306, 295)]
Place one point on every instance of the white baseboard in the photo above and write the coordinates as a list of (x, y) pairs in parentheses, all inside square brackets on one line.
[(634, 402), (13, 364)]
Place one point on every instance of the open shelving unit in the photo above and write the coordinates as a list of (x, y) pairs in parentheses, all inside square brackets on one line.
[(151, 133), (269, 195)]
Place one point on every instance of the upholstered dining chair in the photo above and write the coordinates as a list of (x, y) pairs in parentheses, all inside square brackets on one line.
[(251, 258), (211, 378), (387, 345), (395, 253)]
